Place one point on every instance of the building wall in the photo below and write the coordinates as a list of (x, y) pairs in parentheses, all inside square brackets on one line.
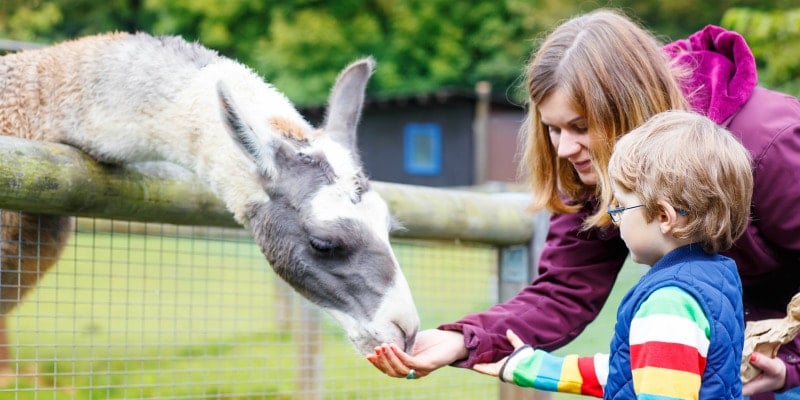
[(381, 140), (504, 152)]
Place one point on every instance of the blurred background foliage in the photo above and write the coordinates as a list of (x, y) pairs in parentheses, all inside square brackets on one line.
[(420, 45)]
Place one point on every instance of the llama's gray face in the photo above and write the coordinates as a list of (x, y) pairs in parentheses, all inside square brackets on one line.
[(323, 230)]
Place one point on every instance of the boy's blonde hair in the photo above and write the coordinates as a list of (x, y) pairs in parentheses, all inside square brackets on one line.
[(616, 75), (693, 164)]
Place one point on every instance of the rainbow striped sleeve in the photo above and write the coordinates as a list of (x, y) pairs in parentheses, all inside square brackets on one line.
[(669, 341), (571, 374)]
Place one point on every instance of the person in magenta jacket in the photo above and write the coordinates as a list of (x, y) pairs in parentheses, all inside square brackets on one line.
[(615, 76)]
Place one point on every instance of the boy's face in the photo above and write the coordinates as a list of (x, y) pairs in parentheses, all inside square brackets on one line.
[(644, 239)]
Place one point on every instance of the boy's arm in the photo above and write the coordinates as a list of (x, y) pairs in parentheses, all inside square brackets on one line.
[(669, 341), (541, 370)]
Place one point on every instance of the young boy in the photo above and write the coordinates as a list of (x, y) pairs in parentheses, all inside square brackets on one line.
[(682, 187)]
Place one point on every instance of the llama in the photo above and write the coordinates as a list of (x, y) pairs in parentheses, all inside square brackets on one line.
[(301, 190)]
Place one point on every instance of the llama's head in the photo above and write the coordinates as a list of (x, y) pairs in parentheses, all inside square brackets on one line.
[(324, 230)]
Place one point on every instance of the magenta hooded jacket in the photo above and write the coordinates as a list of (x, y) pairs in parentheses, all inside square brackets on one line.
[(578, 268)]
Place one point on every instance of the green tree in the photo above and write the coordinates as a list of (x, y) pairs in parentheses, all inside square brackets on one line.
[(774, 37), (28, 21), (420, 45), (675, 19), (49, 21), (300, 45)]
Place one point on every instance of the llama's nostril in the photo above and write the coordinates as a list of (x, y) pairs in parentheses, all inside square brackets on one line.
[(409, 341), (407, 337)]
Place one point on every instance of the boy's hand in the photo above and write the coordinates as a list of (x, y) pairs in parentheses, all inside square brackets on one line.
[(493, 369)]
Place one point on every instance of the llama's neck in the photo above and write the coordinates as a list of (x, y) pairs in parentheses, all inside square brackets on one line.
[(229, 175), (212, 154), (119, 114)]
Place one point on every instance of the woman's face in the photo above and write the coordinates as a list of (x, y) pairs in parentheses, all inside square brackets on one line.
[(569, 134)]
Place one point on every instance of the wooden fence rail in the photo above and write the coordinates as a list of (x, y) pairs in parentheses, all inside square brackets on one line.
[(58, 179)]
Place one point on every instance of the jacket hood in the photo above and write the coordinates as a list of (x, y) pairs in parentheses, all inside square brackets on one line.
[(722, 69)]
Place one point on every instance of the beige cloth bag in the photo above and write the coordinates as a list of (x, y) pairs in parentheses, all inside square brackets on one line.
[(766, 337)]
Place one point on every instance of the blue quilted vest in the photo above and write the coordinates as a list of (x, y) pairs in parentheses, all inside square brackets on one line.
[(713, 280)]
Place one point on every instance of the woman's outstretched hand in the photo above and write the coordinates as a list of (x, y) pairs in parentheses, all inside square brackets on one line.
[(433, 349), (772, 378), (493, 369)]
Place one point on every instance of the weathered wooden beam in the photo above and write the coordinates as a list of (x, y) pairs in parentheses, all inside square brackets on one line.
[(58, 179), (434, 213)]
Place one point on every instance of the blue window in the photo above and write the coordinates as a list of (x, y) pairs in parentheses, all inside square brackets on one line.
[(422, 149)]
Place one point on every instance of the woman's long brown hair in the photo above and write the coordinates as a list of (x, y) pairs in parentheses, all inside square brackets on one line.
[(617, 77)]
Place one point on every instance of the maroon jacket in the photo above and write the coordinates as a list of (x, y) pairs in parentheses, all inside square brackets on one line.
[(578, 268)]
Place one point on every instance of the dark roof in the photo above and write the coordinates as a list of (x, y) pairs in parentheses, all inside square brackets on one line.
[(440, 96), (16, 45)]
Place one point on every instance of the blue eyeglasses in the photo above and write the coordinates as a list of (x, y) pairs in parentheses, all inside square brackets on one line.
[(616, 212)]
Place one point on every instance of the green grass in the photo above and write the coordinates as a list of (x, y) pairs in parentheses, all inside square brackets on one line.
[(132, 316)]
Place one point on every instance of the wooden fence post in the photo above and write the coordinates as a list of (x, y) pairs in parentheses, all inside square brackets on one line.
[(518, 266), (310, 360)]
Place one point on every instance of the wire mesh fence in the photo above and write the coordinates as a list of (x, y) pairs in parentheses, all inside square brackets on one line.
[(160, 311)]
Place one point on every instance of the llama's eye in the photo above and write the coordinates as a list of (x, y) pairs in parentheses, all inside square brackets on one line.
[(306, 159), (322, 245)]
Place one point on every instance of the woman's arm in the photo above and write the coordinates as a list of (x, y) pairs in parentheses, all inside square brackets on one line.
[(576, 273)]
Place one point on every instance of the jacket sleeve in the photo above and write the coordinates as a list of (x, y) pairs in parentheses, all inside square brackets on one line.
[(776, 171), (776, 209), (577, 270), (541, 370)]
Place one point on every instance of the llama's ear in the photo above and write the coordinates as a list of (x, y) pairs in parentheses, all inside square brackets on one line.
[(243, 135), (346, 100)]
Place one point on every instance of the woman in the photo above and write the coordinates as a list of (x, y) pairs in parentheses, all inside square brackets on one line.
[(594, 78)]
